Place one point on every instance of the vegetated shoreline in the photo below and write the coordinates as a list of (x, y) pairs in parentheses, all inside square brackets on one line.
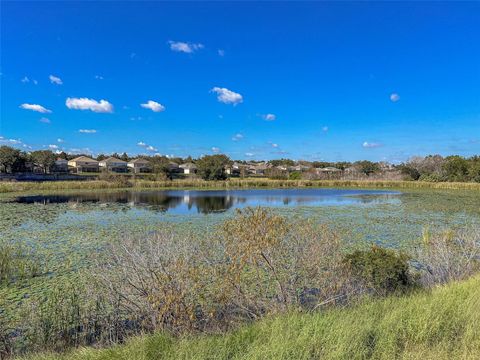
[(10, 187), (438, 324)]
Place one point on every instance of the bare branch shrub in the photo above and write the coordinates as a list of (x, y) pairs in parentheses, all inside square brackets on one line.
[(449, 255)]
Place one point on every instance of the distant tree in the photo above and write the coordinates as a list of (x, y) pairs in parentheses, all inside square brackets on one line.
[(295, 175), (275, 173), (101, 157), (11, 160), (409, 171), (45, 159), (212, 167), (285, 162), (160, 165), (124, 157), (63, 155), (367, 167), (456, 168)]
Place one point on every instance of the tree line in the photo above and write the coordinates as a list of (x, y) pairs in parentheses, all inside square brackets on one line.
[(433, 168)]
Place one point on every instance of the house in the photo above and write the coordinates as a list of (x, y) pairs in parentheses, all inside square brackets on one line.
[(328, 169), (300, 168), (83, 164), (234, 169), (139, 166), (60, 166), (173, 167), (257, 169), (114, 165), (188, 168)]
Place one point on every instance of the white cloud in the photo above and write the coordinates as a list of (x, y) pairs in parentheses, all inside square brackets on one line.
[(99, 77), (215, 149), (53, 147), (325, 128), (55, 80), (184, 47), (274, 145), (249, 154), (25, 80), (45, 120), (227, 96), (394, 97), (221, 52), (35, 107), (101, 106), (151, 148), (269, 117), (369, 145), (237, 137), (10, 141), (142, 144), (60, 140), (153, 105), (87, 131)]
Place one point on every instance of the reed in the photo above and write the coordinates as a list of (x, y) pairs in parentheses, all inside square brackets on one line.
[(7, 187)]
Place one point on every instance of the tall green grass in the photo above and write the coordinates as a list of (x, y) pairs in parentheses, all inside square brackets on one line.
[(6, 187), (441, 324)]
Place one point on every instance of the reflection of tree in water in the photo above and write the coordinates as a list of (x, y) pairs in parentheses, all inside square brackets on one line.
[(209, 204)]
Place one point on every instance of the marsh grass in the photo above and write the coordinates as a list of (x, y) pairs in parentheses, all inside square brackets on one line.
[(232, 183), (439, 324)]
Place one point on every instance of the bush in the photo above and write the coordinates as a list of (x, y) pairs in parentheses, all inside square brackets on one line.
[(380, 270), (295, 175), (16, 263)]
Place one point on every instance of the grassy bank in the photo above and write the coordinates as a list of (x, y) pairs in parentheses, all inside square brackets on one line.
[(441, 324), (6, 187)]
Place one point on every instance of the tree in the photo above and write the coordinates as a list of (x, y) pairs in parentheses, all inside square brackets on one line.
[(45, 159), (124, 157), (368, 167), (212, 167), (456, 168), (11, 160)]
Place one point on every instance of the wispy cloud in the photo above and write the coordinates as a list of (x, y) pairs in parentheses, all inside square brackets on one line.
[(153, 105), (394, 97), (325, 128), (59, 140), (87, 131), (215, 150), (55, 80), (35, 107), (227, 96), (221, 52), (185, 47), (268, 117), (14, 142), (99, 77), (147, 147), (26, 80), (237, 137), (249, 154), (371, 145), (101, 106), (45, 120), (53, 147)]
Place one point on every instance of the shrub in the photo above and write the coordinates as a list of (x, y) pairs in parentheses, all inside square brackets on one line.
[(380, 270), (295, 175), (16, 263), (449, 255)]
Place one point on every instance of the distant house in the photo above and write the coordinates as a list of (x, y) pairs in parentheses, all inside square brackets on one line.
[(114, 165), (83, 164), (299, 168), (139, 166), (188, 168), (257, 169), (234, 169), (328, 169), (173, 167), (60, 166)]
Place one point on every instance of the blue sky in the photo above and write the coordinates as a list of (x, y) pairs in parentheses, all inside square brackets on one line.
[(314, 81)]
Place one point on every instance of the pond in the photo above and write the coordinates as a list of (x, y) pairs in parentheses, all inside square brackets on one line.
[(208, 201), (66, 230)]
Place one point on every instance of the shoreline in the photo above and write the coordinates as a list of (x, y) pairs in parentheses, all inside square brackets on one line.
[(19, 187)]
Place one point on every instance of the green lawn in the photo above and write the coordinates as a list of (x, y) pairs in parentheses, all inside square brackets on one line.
[(442, 324)]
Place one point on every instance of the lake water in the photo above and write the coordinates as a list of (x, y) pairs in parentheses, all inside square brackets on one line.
[(206, 202)]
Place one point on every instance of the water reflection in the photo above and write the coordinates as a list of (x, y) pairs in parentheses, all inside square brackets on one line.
[(185, 201)]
